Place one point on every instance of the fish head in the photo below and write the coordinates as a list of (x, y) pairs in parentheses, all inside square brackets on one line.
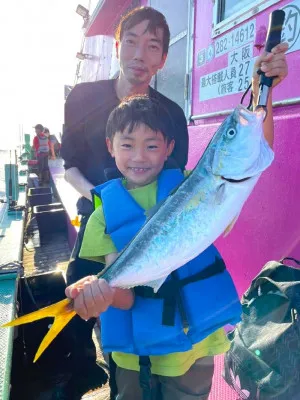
[(240, 149)]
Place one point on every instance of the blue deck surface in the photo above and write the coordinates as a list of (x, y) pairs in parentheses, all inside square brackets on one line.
[(8, 292), (11, 246)]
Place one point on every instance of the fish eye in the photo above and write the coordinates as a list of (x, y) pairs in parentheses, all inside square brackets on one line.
[(231, 133)]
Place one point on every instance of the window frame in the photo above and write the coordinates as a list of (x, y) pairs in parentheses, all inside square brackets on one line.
[(240, 16)]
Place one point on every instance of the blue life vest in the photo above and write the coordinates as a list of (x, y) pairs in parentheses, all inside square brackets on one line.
[(209, 301)]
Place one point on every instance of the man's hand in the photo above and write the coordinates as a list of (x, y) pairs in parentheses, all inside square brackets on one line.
[(272, 64), (92, 296)]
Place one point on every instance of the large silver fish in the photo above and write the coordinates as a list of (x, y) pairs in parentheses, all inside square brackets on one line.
[(203, 206), (190, 219)]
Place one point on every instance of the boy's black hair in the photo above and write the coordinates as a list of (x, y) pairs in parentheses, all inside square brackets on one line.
[(139, 14), (136, 110)]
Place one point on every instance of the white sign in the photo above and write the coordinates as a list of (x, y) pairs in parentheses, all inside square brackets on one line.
[(291, 28), (201, 58), (240, 55), (210, 53), (236, 38), (231, 80)]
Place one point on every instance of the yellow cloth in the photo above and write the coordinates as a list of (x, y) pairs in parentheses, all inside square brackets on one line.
[(96, 244)]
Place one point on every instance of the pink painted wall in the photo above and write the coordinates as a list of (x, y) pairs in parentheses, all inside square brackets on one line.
[(269, 226)]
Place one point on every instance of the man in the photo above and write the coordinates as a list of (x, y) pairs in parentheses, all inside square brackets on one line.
[(41, 145), (142, 41)]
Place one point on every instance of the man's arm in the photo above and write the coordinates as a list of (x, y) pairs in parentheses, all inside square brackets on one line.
[(75, 178), (273, 64), (35, 144)]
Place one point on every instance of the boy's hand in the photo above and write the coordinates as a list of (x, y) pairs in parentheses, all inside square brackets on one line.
[(92, 296), (272, 64)]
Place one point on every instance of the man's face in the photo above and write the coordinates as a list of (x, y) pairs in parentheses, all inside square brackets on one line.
[(140, 53), (38, 131)]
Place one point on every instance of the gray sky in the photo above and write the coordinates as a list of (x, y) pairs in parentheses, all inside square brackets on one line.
[(39, 40)]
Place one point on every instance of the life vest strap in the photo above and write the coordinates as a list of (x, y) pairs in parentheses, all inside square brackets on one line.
[(145, 376), (170, 291)]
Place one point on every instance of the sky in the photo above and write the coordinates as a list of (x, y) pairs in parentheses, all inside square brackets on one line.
[(39, 40)]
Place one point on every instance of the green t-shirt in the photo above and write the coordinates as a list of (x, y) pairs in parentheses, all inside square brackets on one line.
[(96, 245)]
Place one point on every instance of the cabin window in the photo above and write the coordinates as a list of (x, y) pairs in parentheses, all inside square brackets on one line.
[(172, 79), (229, 13), (230, 7)]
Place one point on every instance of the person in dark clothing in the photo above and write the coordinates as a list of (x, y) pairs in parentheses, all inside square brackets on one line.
[(142, 42), (41, 145)]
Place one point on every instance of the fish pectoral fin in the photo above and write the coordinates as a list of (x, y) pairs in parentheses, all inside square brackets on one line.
[(58, 325), (63, 307), (230, 226), (155, 284)]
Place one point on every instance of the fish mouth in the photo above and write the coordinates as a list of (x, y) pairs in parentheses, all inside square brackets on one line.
[(235, 180), (244, 115)]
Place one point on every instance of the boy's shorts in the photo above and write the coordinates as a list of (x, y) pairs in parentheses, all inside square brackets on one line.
[(194, 384)]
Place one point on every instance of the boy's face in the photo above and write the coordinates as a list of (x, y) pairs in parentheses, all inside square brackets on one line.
[(140, 155), (140, 53)]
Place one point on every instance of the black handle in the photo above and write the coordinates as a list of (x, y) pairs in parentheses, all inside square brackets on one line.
[(276, 22)]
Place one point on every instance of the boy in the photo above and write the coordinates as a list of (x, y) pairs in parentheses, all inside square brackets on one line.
[(137, 137)]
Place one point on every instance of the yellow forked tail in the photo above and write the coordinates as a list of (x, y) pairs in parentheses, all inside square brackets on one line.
[(62, 312)]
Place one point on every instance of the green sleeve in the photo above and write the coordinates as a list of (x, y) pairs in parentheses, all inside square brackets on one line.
[(186, 173), (96, 243)]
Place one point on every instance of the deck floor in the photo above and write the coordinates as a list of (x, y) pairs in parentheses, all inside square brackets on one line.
[(53, 255)]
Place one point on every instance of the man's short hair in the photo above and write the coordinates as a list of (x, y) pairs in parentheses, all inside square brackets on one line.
[(137, 110), (39, 126), (139, 14)]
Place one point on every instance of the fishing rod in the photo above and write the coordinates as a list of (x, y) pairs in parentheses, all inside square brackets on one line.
[(276, 21)]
